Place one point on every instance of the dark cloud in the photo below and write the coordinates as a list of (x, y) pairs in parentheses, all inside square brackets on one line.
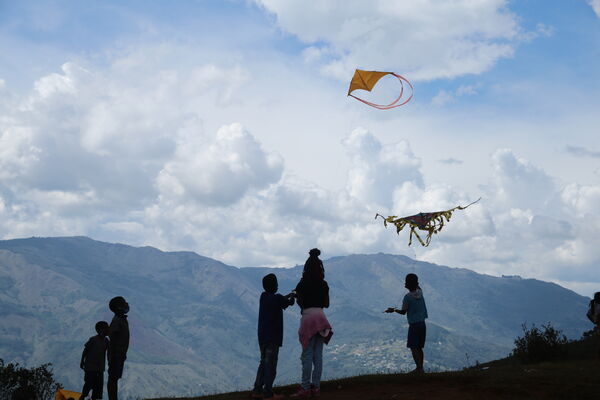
[(582, 151)]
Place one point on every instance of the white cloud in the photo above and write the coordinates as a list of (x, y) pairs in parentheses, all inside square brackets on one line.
[(218, 171), (422, 39), (581, 200), (596, 6), (101, 151), (518, 183), (377, 169)]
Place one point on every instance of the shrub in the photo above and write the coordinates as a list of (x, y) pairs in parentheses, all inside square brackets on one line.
[(539, 344), (28, 384), (589, 334)]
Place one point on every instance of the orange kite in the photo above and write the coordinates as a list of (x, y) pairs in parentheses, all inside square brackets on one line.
[(366, 80)]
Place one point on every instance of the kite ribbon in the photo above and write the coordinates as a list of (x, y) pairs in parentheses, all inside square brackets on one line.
[(394, 103)]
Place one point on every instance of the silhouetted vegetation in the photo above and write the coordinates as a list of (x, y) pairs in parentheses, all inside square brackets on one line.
[(539, 344), (589, 334), (35, 383)]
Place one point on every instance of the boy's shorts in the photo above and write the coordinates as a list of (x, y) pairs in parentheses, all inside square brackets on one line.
[(95, 381), (416, 335), (116, 362)]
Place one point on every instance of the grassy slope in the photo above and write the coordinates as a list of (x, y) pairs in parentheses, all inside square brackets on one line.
[(574, 376)]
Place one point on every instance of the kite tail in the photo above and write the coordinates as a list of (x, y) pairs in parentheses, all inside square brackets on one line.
[(423, 243)]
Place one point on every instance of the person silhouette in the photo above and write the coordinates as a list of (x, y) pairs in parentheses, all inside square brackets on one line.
[(270, 336), (119, 344), (313, 295), (413, 305), (93, 361)]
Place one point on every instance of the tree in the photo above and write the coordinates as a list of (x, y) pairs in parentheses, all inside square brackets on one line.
[(36, 383)]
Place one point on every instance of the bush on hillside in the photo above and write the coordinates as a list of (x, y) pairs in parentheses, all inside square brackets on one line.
[(589, 334), (35, 383), (539, 344)]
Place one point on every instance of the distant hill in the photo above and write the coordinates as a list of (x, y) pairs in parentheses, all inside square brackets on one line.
[(193, 319)]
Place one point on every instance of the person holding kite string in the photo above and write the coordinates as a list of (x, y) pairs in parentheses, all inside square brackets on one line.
[(413, 305)]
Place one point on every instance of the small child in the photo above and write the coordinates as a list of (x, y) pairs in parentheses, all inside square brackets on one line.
[(119, 344), (270, 336), (93, 362), (413, 305)]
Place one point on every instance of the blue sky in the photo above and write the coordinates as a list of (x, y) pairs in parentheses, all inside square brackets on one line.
[(223, 127)]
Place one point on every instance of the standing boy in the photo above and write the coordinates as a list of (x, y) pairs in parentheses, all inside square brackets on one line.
[(270, 336), (93, 362), (413, 305), (119, 344)]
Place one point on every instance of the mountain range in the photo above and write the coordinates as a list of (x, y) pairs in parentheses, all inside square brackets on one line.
[(193, 319)]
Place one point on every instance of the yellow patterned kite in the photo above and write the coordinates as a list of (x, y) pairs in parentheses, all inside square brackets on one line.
[(431, 223), (366, 80)]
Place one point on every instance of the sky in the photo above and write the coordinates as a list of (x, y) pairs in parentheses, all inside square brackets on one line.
[(223, 127)]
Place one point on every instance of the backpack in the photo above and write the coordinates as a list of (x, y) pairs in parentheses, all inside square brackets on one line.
[(591, 313)]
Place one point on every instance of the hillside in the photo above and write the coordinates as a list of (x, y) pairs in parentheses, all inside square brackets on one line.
[(192, 317), (574, 376), (563, 380)]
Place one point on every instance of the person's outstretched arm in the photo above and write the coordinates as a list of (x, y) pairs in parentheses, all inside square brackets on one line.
[(404, 308), (285, 301)]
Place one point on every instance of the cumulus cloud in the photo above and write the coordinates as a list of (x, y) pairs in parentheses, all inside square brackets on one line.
[(518, 183), (99, 151), (220, 170), (581, 200), (425, 40), (377, 169), (534, 228), (97, 142)]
